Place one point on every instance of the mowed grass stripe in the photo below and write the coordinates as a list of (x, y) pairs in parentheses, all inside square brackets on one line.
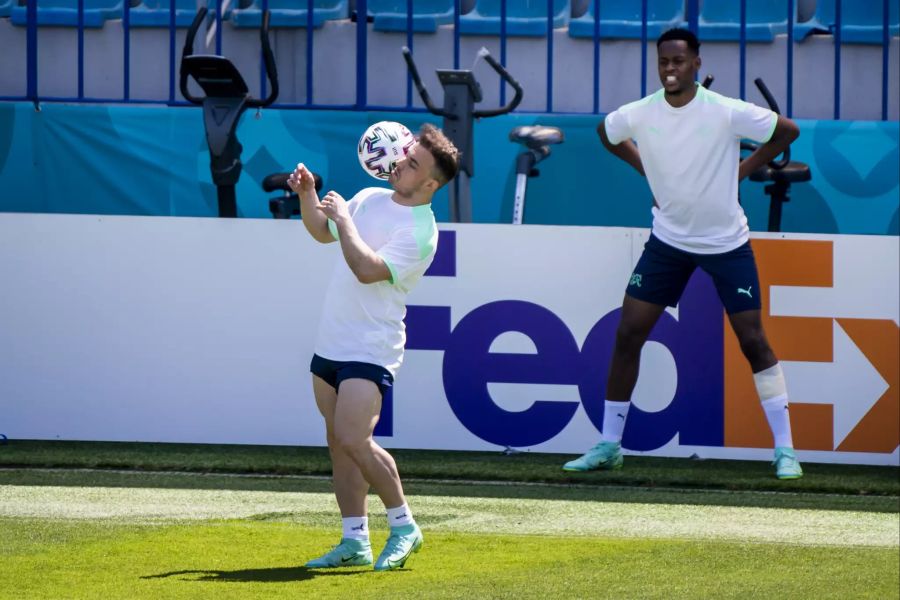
[(263, 559), (465, 514), (471, 488)]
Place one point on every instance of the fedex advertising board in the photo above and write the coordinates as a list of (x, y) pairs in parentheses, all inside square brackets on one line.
[(201, 330)]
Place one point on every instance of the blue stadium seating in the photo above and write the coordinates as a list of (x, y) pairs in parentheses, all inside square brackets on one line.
[(156, 13), (523, 17), (622, 19), (290, 13), (861, 20), (64, 13), (720, 20), (390, 15), (6, 7)]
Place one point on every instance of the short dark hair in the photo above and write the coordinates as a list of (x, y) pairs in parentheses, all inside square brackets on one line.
[(446, 156), (684, 35)]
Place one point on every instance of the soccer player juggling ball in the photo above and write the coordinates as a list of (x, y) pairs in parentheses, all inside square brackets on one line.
[(688, 148), (388, 239)]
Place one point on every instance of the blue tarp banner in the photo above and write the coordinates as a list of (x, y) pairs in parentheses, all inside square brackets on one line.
[(140, 160)]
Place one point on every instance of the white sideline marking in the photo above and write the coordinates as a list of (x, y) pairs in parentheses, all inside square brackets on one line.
[(472, 515)]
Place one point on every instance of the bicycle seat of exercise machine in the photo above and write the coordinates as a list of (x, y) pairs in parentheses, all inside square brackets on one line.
[(279, 181), (793, 172), (536, 136)]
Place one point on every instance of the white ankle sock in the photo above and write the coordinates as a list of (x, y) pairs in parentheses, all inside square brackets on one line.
[(400, 516), (356, 528), (614, 415)]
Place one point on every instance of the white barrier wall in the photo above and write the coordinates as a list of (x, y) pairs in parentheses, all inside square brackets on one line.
[(201, 330)]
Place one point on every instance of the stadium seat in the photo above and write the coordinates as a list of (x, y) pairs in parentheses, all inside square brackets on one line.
[(861, 22), (64, 13), (290, 13), (390, 15), (622, 19), (6, 7), (156, 13), (720, 20), (523, 17)]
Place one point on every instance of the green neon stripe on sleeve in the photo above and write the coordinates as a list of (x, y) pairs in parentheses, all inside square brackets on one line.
[(333, 229), (424, 229), (392, 269), (771, 128)]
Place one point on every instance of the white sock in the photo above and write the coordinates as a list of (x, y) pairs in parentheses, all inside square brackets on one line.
[(356, 528), (772, 392), (614, 415), (779, 420), (400, 516)]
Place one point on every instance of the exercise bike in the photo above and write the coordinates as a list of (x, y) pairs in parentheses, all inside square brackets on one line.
[(780, 173), (461, 93), (537, 140), (288, 204), (226, 98)]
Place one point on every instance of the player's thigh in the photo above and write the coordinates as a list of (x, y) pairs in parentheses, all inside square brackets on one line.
[(736, 279), (326, 400), (661, 274), (357, 410), (638, 317)]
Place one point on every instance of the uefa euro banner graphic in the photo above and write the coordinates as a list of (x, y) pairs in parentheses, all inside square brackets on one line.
[(201, 330)]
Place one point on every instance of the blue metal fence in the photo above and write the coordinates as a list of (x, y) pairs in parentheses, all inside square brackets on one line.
[(692, 14)]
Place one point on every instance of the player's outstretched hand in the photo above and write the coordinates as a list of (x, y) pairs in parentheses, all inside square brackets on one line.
[(334, 206), (301, 180)]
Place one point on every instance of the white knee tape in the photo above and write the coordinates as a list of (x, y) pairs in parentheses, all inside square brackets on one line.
[(770, 383)]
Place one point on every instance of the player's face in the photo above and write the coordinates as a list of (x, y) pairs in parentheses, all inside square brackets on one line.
[(415, 173), (678, 66)]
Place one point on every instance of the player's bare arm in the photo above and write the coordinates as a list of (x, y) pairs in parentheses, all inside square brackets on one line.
[(626, 150), (786, 131), (316, 223), (362, 260)]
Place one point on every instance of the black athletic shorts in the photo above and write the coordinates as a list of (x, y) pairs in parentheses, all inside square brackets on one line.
[(333, 372), (662, 274)]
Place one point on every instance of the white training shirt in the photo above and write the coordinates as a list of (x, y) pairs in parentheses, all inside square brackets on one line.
[(690, 157), (364, 322)]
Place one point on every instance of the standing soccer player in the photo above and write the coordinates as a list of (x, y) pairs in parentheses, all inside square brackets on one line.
[(688, 148), (388, 239)]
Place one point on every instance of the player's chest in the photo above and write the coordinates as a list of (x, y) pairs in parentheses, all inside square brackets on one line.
[(375, 225)]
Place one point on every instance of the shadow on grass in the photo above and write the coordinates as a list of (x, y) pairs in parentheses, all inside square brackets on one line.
[(271, 575)]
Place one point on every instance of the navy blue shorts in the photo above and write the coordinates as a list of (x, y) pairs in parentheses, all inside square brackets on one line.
[(662, 274), (333, 372)]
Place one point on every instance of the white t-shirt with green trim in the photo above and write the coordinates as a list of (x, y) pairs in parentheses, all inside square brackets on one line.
[(364, 322), (690, 157)]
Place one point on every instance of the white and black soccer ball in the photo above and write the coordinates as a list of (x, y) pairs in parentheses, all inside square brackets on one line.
[(381, 146)]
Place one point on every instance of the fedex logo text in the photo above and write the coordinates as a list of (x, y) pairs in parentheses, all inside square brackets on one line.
[(714, 401)]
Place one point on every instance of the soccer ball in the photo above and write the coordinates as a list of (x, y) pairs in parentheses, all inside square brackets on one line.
[(381, 146)]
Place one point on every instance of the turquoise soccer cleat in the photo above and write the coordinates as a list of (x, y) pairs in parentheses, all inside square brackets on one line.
[(403, 541), (786, 464), (605, 455), (349, 553)]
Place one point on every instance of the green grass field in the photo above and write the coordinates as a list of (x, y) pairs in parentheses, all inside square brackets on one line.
[(84, 520)]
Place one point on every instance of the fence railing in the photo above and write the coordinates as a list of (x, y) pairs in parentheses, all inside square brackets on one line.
[(691, 15)]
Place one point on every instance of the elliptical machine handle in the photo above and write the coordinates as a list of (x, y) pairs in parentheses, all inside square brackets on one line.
[(770, 100), (504, 74), (189, 50), (420, 87), (269, 60)]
